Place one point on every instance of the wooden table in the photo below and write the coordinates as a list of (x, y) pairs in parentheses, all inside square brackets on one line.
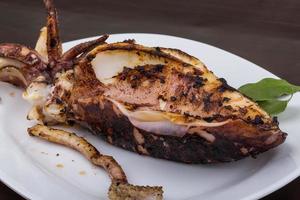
[(266, 32)]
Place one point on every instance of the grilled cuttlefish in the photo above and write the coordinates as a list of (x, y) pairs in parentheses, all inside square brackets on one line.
[(154, 101)]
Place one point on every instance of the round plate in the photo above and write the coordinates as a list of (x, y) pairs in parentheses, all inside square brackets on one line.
[(40, 170)]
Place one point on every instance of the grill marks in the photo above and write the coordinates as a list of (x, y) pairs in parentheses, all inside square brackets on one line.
[(140, 74), (224, 86), (181, 88)]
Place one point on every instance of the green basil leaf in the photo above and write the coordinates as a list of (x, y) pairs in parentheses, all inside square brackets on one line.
[(268, 89), (273, 107)]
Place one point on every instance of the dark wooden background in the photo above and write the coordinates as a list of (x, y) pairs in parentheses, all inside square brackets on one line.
[(266, 32)]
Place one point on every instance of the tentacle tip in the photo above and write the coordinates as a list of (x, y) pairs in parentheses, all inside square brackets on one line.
[(105, 36), (119, 191), (29, 131)]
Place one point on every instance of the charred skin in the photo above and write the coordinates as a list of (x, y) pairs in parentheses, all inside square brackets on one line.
[(233, 141)]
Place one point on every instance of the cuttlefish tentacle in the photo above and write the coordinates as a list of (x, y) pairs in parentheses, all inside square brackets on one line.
[(83, 47), (120, 188), (19, 65), (70, 58), (73, 141), (54, 46)]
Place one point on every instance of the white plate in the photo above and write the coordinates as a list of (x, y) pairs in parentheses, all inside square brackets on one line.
[(29, 165)]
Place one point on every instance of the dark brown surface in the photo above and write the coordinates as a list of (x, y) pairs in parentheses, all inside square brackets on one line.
[(266, 32)]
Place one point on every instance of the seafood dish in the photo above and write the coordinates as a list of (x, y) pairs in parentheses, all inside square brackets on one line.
[(154, 101)]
